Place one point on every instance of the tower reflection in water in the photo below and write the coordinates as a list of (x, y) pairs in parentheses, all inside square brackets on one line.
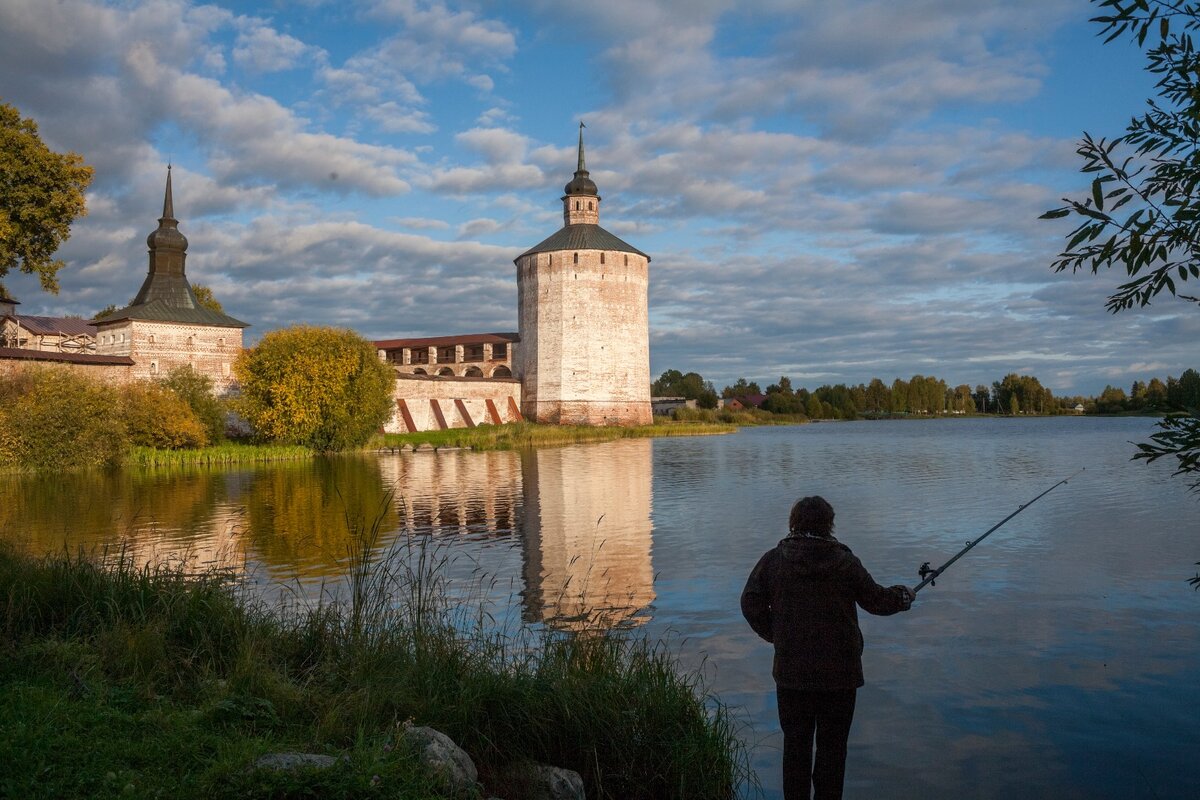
[(586, 532), (579, 517)]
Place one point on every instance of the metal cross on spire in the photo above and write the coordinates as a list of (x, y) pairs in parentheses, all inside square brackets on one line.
[(582, 167)]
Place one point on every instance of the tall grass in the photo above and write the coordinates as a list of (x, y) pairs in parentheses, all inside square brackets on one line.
[(516, 435), (336, 674)]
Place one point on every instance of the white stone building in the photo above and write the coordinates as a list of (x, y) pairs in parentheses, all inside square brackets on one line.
[(582, 311)]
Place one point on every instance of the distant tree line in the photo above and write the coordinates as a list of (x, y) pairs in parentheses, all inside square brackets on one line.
[(927, 396)]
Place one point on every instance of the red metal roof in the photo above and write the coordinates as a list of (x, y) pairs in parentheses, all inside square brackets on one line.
[(69, 358), (445, 341), (55, 326)]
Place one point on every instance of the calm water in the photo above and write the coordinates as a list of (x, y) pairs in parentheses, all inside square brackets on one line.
[(1059, 659)]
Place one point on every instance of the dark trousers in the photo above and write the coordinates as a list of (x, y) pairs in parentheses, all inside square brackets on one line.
[(828, 715)]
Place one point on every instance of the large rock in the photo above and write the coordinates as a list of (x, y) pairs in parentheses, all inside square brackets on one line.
[(542, 782), (443, 757), (283, 762), (556, 783)]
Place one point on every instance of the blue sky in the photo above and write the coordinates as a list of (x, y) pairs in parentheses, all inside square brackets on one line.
[(829, 191)]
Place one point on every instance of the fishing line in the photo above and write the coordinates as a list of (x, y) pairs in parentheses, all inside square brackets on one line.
[(929, 575)]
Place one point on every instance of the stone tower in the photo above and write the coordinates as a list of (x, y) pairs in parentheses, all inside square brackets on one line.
[(165, 326), (582, 310)]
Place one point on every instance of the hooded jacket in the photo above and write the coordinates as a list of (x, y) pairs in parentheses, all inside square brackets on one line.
[(802, 596)]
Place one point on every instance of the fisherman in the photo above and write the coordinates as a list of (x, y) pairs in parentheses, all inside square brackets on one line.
[(801, 597)]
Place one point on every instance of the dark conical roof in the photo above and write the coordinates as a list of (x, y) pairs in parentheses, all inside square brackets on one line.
[(582, 237), (166, 295), (581, 183)]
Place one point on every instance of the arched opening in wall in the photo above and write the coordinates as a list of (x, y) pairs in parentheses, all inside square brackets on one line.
[(444, 371), (191, 340), (153, 367), (576, 205), (502, 372), (627, 259), (589, 205), (419, 371), (150, 339), (473, 372), (577, 258), (602, 258)]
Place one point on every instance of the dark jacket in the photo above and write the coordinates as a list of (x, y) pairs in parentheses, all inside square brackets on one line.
[(801, 597)]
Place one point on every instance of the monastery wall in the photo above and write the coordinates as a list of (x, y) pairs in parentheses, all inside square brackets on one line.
[(14, 363), (426, 403), (588, 362)]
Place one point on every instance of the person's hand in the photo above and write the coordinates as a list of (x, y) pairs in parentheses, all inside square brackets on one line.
[(907, 597)]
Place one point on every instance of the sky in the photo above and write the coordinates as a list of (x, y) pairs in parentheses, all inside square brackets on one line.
[(828, 191)]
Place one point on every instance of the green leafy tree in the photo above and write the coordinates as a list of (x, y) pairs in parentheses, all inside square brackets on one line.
[(320, 387), (204, 296), (56, 419), (157, 417), (692, 386), (1112, 400), (878, 396), (1142, 214), (196, 390), (783, 403), (41, 194), (741, 389)]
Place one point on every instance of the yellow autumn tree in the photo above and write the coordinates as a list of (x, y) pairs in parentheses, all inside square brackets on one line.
[(324, 388)]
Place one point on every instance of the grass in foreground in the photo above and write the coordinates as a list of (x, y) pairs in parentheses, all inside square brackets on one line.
[(515, 435), (147, 682)]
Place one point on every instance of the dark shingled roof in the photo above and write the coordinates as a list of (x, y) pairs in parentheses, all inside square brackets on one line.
[(69, 358), (582, 237), (159, 310)]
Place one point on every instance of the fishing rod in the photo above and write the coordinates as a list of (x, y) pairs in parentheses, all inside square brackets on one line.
[(929, 575)]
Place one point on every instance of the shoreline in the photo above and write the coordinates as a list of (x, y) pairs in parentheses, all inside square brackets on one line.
[(150, 682)]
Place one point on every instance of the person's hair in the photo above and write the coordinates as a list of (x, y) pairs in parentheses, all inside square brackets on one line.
[(811, 515)]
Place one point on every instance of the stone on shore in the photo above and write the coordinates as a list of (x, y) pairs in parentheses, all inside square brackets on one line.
[(284, 762), (443, 757), (544, 782)]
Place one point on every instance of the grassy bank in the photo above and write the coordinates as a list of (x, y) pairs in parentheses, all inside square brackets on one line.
[(485, 437), (146, 682), (525, 434), (226, 453)]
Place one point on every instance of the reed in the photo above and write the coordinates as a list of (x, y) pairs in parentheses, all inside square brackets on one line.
[(226, 453), (105, 648)]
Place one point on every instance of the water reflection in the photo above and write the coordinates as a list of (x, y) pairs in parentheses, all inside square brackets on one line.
[(189, 515), (463, 493), (586, 534)]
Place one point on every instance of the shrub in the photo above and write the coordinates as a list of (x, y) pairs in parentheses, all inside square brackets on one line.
[(53, 418), (324, 388), (157, 417), (197, 391)]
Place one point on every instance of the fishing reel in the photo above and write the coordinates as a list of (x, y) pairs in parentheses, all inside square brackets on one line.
[(928, 570)]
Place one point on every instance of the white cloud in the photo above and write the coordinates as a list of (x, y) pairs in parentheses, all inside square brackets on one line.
[(263, 49), (260, 137)]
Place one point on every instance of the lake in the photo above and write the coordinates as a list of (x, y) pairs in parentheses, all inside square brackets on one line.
[(1058, 659)]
